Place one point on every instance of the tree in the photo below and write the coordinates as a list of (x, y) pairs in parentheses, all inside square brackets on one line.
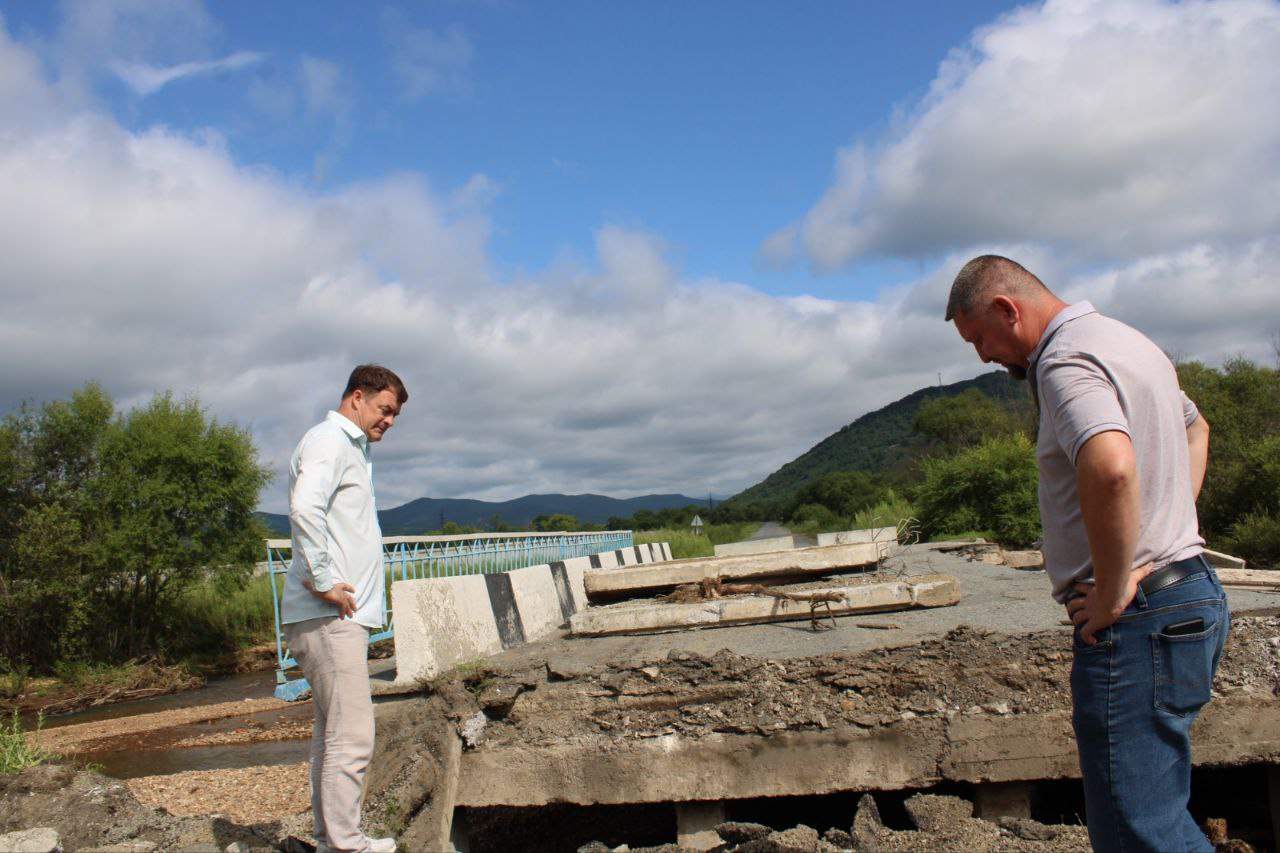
[(843, 493), (558, 521), (990, 487), (964, 420), (110, 519), (1240, 499)]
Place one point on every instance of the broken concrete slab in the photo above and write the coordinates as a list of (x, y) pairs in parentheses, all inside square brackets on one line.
[(606, 583), (913, 753), (1027, 560), (1258, 578), (935, 590), (1219, 560)]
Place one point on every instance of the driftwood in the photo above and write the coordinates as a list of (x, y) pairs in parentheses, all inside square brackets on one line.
[(709, 588)]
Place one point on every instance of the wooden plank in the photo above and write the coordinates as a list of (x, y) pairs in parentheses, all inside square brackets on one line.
[(933, 590)]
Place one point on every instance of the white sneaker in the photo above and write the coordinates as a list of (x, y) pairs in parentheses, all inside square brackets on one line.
[(376, 845)]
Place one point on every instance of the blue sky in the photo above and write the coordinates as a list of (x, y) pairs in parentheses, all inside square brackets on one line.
[(708, 122), (611, 247)]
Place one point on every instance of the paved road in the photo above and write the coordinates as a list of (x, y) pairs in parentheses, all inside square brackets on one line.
[(994, 598), (769, 530)]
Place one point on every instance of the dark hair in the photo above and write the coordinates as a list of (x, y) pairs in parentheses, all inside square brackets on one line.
[(372, 378), (984, 273)]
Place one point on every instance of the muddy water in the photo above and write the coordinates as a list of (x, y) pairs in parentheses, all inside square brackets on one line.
[(249, 685), (127, 764)]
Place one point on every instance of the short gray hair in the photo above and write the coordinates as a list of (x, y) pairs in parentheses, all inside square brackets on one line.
[(985, 273)]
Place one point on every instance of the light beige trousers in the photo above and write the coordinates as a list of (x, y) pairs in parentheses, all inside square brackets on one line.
[(334, 655)]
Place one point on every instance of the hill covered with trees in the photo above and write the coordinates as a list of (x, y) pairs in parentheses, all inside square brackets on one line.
[(882, 442)]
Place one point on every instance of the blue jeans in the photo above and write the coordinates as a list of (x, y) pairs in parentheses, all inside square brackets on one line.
[(1134, 697)]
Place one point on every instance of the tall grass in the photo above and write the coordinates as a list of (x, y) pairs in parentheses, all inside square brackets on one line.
[(216, 618), (18, 750), (890, 512), (684, 544)]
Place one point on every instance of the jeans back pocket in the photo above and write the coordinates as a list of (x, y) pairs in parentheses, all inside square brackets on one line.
[(1183, 666)]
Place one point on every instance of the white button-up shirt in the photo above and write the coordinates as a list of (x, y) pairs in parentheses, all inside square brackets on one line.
[(336, 536)]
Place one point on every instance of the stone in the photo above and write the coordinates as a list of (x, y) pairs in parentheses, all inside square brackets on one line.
[(42, 839), (739, 832), (594, 847), (936, 813), (798, 839), (236, 847), (1025, 560), (140, 846), (867, 825), (498, 699), (473, 729), (838, 838), (1027, 829), (563, 669)]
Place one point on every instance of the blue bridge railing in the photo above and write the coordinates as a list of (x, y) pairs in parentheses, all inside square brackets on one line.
[(416, 557)]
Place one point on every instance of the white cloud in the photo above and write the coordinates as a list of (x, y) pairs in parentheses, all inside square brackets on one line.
[(146, 79), (427, 61), (152, 260), (1106, 128), (93, 34)]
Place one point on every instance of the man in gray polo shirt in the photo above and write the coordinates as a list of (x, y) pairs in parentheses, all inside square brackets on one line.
[(1122, 454)]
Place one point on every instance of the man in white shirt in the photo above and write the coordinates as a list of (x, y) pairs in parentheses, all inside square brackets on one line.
[(334, 595)]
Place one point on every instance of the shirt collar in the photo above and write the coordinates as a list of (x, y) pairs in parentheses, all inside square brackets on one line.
[(357, 434), (1066, 315)]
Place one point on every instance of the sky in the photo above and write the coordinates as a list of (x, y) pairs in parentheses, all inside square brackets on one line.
[(610, 247)]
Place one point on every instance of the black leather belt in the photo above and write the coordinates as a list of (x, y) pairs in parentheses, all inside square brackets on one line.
[(1173, 573)]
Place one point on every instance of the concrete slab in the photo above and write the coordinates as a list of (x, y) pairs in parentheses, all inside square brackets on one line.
[(1219, 560), (1028, 560), (992, 598), (576, 568), (676, 769), (537, 601), (756, 546), (1260, 578), (851, 537), (662, 576), (935, 590), (917, 753), (440, 623)]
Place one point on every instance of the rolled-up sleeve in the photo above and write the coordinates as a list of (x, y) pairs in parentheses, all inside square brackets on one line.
[(1080, 401), (1189, 410), (319, 471)]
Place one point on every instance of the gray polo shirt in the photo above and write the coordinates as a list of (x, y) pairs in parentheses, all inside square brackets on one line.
[(1092, 374)]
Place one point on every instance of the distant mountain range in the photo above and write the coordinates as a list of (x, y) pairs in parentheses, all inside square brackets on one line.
[(418, 516), (877, 442)]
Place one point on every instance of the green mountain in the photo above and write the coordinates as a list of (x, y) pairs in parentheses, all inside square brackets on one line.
[(418, 516), (879, 442)]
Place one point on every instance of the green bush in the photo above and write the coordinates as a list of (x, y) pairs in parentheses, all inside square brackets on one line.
[(988, 487), (1256, 538), (841, 492), (811, 517)]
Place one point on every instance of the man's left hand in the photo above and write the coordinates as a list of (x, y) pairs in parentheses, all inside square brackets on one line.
[(1091, 614)]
